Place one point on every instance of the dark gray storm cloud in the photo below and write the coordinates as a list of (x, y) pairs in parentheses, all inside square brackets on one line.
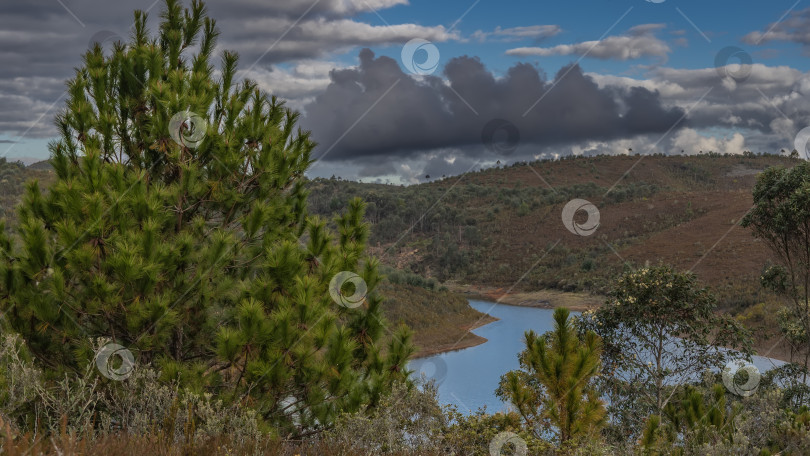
[(376, 110), (41, 41), (414, 126)]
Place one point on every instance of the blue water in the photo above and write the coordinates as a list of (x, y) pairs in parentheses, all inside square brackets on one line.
[(468, 378)]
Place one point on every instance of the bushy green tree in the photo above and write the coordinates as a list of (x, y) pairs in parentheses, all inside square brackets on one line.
[(554, 390), (177, 227), (781, 218), (659, 329)]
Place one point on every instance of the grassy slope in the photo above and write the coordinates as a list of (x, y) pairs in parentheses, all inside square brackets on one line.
[(439, 319), (487, 229)]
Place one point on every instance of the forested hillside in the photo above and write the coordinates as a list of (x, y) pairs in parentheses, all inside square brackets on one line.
[(13, 176), (487, 227), (490, 227)]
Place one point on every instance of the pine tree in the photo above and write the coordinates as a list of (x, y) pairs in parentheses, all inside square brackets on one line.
[(554, 388), (696, 416), (177, 227)]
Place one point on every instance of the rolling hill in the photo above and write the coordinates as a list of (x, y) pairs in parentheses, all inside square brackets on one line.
[(498, 233)]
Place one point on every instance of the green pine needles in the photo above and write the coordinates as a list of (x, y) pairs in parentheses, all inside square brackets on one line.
[(554, 390), (178, 228)]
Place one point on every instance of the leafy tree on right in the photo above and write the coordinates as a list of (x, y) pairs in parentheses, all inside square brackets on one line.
[(659, 329), (781, 218)]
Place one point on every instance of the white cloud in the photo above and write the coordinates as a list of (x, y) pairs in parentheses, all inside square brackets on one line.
[(298, 84), (533, 32), (278, 39), (296, 8), (668, 89), (692, 142), (762, 113), (639, 42), (41, 43)]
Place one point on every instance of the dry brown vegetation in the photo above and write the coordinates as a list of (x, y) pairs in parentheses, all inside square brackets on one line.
[(441, 320), (486, 229), (124, 444), (690, 222)]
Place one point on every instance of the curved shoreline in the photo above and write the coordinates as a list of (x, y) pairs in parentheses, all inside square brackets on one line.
[(547, 299), (543, 299), (470, 339)]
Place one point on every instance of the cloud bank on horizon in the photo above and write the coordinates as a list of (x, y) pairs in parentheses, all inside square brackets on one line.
[(482, 82)]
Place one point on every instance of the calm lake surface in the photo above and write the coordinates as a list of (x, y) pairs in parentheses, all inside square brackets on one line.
[(468, 378)]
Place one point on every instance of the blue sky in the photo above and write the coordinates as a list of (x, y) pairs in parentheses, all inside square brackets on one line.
[(724, 23), (654, 59)]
